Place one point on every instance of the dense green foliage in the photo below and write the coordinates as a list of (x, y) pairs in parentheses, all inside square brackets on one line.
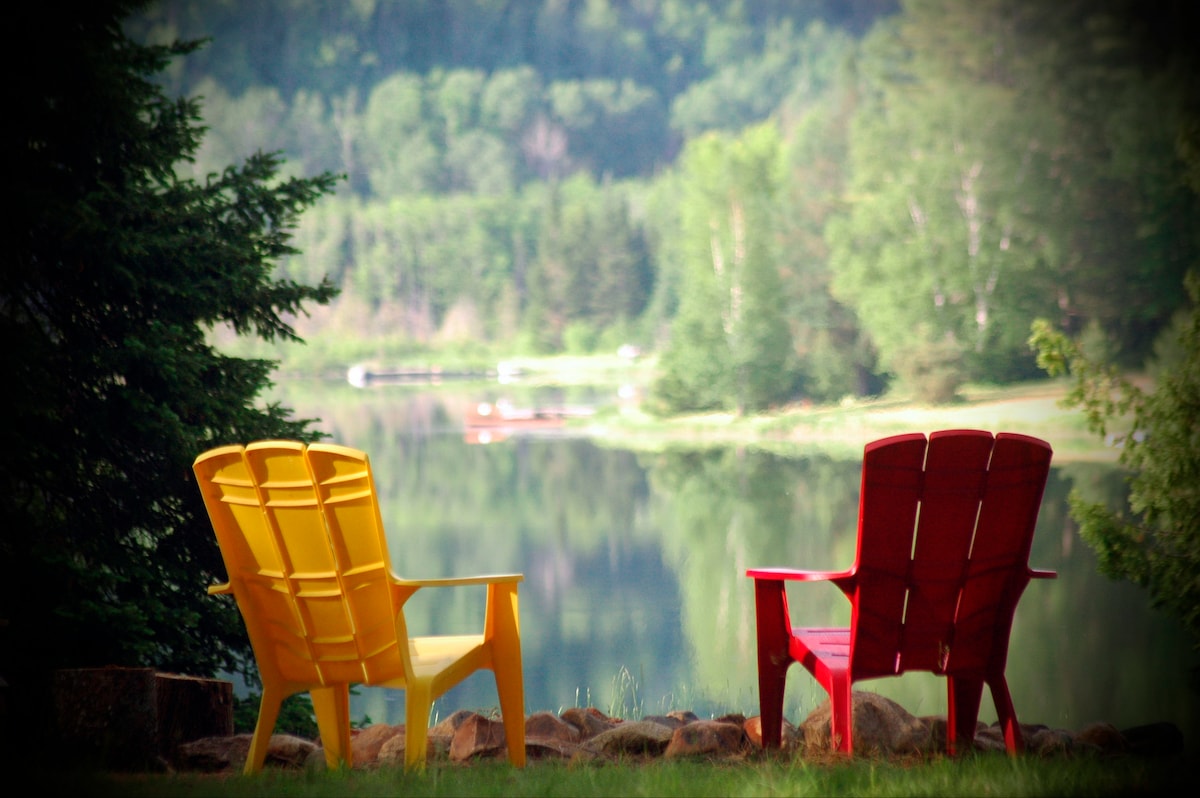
[(994, 181), (1155, 541), (731, 346), (500, 184), (522, 175), (296, 715), (116, 271)]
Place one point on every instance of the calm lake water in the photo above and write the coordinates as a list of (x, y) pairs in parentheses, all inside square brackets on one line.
[(635, 599)]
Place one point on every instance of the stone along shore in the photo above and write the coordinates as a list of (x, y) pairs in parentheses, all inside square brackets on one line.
[(882, 728)]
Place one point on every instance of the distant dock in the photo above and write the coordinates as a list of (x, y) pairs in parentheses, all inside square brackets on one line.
[(361, 376)]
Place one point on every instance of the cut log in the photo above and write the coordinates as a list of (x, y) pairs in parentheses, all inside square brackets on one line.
[(134, 719)]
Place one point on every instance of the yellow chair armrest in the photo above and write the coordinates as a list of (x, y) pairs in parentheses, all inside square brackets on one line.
[(455, 581), (214, 590)]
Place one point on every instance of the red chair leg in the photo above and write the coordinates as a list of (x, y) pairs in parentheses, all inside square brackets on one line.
[(841, 713), (773, 658), (963, 697), (1014, 742)]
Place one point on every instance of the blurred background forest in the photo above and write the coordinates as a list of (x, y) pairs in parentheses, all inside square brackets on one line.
[(780, 200)]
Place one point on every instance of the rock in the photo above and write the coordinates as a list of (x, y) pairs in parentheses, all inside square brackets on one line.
[(707, 738), (1049, 742), (991, 738), (548, 726), (1105, 737), (936, 726), (366, 743), (1039, 739), (549, 736), (880, 726), (391, 753), (673, 720), (477, 737), (1154, 739), (447, 727), (639, 738), (286, 751), (214, 754), (590, 722), (753, 729)]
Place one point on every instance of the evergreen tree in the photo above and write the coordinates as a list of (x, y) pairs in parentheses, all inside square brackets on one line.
[(116, 270)]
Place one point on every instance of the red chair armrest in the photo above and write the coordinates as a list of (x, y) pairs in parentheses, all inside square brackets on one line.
[(797, 575)]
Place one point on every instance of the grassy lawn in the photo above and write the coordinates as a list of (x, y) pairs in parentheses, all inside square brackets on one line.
[(981, 774)]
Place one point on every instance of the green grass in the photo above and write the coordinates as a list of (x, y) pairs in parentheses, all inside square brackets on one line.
[(982, 774), (841, 429)]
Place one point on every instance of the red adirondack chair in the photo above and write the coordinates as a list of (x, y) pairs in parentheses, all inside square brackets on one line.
[(944, 534)]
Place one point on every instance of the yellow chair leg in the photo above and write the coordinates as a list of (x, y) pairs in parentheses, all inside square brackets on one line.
[(417, 704), (268, 713), (506, 664), (332, 708)]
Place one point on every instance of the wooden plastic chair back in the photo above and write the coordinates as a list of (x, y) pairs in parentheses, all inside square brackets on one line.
[(945, 530), (305, 550)]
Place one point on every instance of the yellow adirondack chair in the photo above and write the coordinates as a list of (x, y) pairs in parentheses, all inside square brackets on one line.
[(307, 559)]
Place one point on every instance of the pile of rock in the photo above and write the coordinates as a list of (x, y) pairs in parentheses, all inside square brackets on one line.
[(881, 728)]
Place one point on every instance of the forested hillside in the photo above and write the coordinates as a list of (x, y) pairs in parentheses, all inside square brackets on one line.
[(782, 199)]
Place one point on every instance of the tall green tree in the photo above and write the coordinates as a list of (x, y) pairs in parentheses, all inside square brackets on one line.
[(1121, 79), (730, 344), (834, 354), (116, 269), (946, 249), (1011, 160), (401, 152)]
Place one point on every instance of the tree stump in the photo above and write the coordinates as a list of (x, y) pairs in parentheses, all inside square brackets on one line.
[(134, 719)]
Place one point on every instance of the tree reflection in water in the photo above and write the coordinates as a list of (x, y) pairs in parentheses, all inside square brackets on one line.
[(635, 599)]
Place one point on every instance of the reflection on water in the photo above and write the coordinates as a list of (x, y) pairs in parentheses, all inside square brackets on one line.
[(635, 599)]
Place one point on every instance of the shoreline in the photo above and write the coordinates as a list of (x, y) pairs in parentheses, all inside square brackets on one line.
[(843, 430)]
